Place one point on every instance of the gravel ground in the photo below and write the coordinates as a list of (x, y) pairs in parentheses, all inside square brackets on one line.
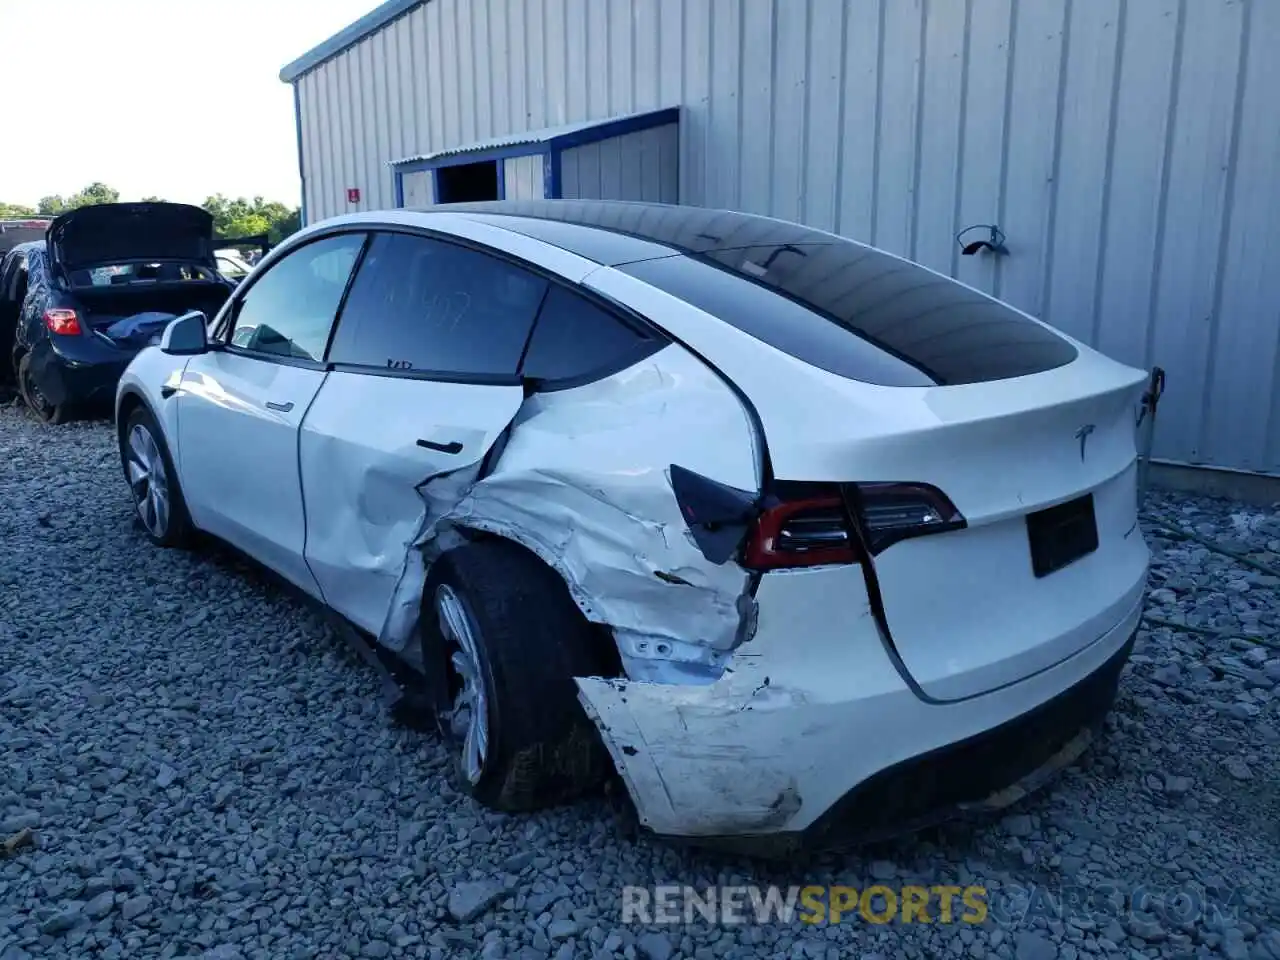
[(206, 770)]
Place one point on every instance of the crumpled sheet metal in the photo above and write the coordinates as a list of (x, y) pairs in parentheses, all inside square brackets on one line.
[(431, 539), (582, 482), (681, 750)]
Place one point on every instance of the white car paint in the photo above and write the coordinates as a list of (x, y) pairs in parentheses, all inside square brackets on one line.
[(238, 444), (793, 681), (946, 436)]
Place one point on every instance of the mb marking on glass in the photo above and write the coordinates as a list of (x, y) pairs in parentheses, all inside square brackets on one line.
[(1083, 436)]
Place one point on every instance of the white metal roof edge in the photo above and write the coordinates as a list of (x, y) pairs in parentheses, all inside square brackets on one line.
[(547, 136)]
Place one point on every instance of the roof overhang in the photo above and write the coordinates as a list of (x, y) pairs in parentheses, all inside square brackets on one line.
[(546, 140)]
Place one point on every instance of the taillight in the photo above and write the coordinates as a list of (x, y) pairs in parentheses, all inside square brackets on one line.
[(802, 532), (898, 511), (62, 321), (806, 525)]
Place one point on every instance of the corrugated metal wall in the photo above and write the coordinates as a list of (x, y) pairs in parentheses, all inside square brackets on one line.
[(1127, 148), (523, 178), (644, 165)]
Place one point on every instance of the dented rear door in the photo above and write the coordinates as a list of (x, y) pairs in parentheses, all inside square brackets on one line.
[(368, 444), (422, 384)]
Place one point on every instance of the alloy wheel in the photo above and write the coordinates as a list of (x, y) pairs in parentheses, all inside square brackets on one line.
[(149, 481), (469, 717)]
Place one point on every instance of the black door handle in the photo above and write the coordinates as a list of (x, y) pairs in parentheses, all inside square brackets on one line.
[(453, 446), (282, 407)]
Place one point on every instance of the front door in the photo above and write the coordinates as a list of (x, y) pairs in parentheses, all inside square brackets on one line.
[(241, 404)]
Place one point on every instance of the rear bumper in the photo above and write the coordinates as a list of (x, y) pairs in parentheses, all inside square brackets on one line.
[(986, 772), (78, 372), (813, 742)]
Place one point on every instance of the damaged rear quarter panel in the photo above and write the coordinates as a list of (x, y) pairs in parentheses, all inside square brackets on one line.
[(583, 483)]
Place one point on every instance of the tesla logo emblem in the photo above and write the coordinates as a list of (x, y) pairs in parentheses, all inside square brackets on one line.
[(1083, 436)]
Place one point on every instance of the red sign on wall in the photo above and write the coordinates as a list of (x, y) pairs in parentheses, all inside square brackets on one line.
[(353, 194)]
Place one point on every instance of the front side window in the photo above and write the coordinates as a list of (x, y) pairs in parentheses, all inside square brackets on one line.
[(419, 304), (289, 310)]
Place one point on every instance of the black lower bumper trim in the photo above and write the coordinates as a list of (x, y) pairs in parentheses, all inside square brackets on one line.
[(944, 783)]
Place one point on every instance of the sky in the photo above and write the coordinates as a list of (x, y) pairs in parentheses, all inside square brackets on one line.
[(178, 99)]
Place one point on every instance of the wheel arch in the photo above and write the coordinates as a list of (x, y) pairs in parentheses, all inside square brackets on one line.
[(130, 399), (435, 662)]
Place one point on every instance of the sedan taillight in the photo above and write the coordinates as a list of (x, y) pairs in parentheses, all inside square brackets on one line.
[(62, 321)]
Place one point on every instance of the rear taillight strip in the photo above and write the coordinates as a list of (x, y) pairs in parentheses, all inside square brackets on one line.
[(807, 525)]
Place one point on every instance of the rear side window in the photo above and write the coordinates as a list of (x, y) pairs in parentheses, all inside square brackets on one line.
[(574, 339), (860, 313), (419, 304)]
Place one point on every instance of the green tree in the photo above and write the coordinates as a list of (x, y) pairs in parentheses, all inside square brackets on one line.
[(153, 200), (292, 223), (244, 217), (16, 210), (94, 193)]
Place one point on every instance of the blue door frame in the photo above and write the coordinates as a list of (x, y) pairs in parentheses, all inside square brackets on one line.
[(463, 159)]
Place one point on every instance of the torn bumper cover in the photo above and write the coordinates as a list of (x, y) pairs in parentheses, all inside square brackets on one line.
[(769, 766)]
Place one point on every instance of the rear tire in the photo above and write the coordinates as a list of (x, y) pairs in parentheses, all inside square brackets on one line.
[(157, 499), (521, 739), (40, 407)]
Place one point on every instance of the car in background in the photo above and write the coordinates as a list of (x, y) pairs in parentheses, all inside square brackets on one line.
[(232, 265), (104, 281), (814, 543), (13, 232), (237, 256), (16, 230)]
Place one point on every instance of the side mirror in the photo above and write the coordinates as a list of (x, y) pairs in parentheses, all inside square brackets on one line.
[(187, 335)]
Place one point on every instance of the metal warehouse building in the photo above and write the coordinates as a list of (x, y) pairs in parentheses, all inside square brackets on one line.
[(1126, 150)]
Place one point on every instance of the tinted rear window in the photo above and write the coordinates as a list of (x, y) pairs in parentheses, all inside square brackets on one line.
[(862, 314), (839, 305), (777, 321)]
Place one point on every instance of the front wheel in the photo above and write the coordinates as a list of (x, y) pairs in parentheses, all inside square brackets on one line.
[(157, 499), (503, 626)]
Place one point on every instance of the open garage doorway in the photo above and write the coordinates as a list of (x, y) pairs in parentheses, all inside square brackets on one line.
[(467, 182)]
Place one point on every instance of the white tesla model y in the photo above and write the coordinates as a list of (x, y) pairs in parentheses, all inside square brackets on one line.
[(804, 540)]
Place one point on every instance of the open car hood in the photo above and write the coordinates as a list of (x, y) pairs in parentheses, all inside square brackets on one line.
[(119, 232)]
